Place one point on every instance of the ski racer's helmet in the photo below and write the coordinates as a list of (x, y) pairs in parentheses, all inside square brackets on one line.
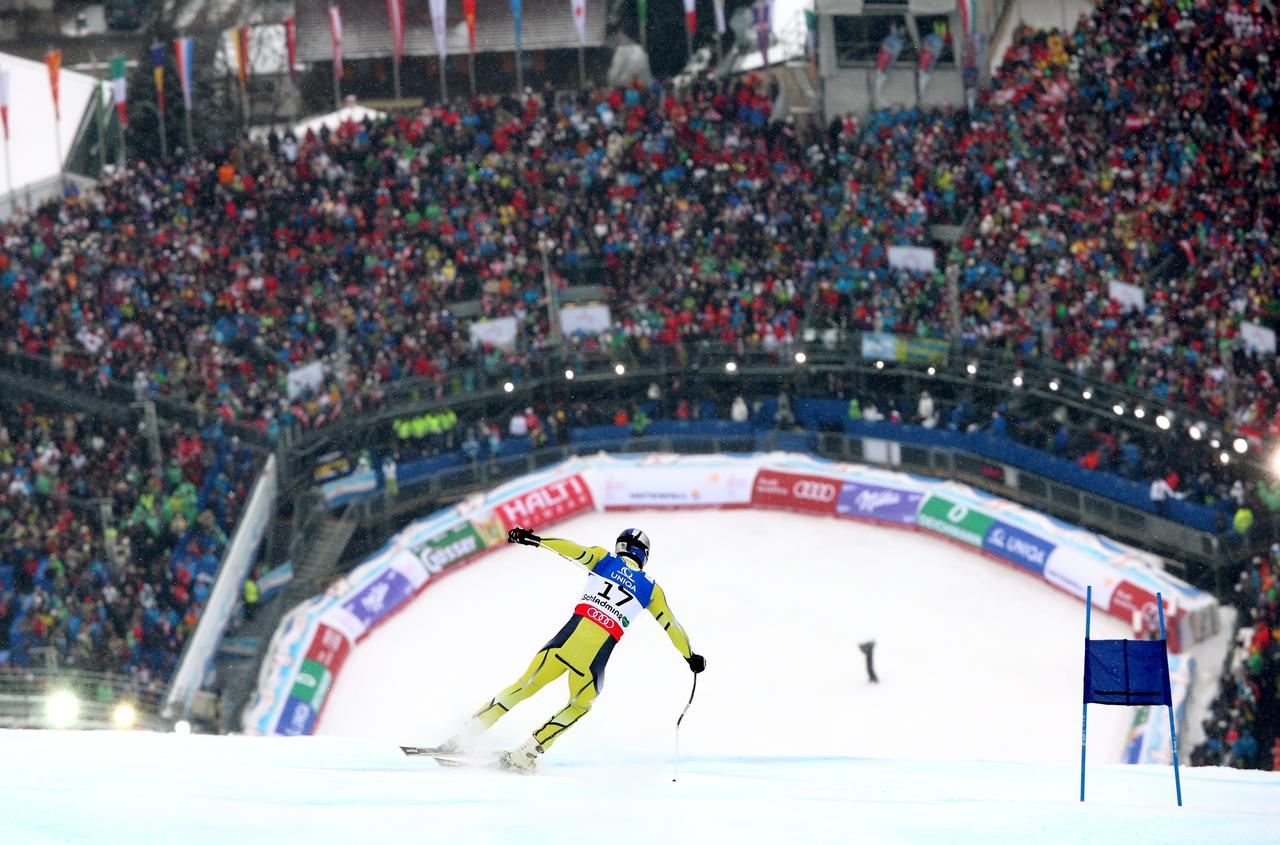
[(633, 543)]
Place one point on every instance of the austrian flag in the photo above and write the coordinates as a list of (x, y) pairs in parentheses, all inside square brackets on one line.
[(691, 15), (579, 8)]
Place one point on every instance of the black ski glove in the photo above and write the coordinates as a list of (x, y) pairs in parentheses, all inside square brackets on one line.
[(523, 536), (696, 662)]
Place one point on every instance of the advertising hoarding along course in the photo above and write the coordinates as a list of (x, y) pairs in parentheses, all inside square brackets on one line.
[(954, 519), (1018, 547), (454, 545), (871, 501), (808, 493), (542, 505)]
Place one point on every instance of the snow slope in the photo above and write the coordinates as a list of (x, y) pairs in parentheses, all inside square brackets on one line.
[(976, 660), (972, 736), (159, 789)]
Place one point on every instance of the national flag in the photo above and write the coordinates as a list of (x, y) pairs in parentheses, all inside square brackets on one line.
[(438, 26), (811, 40), (931, 47), (4, 101), (335, 32), (469, 12), (890, 48), (966, 10), (720, 24), (760, 16), (238, 41), (291, 42), (157, 70), (517, 10), (691, 15), (395, 16), (1135, 122), (120, 88), (579, 8), (53, 60), (184, 50)]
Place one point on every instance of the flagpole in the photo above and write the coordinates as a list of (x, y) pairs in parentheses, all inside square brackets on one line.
[(121, 157), (337, 87), (582, 66), (395, 75), (164, 138), (190, 136), (471, 72)]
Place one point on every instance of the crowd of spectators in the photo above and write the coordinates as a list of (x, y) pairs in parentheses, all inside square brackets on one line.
[(1242, 728), (117, 595)]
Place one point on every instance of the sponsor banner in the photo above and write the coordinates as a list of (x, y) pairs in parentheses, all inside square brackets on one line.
[(330, 466), (795, 492), (678, 486), (954, 519), (871, 501), (329, 648), (1017, 546), (450, 547), (548, 503), (881, 346), (358, 483), (601, 618), (296, 719), (1073, 571), (377, 598), (312, 684)]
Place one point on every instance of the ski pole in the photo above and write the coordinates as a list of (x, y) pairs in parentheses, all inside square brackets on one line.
[(678, 721)]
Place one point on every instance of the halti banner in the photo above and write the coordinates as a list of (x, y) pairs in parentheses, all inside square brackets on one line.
[(548, 503), (870, 501)]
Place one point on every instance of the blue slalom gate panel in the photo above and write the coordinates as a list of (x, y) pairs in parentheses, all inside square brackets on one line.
[(1126, 672)]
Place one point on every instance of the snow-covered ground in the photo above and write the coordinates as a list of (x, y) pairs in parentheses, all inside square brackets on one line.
[(972, 735)]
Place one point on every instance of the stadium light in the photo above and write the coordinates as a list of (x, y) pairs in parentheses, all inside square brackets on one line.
[(1087, 394), (1139, 412), (1119, 409), (124, 717), (182, 726), (508, 387), (62, 709), (1275, 462), (971, 368), (1214, 443), (1017, 380), (619, 369), (731, 367), (932, 371), (1053, 385), (568, 374), (1162, 422), (1225, 458), (801, 357), (879, 365), (1240, 445), (1195, 432)]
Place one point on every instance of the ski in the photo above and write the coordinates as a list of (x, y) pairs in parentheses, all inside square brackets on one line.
[(457, 760)]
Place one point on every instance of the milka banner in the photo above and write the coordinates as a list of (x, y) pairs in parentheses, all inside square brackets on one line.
[(499, 332)]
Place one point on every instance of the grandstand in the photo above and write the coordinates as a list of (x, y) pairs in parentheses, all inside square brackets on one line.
[(227, 378)]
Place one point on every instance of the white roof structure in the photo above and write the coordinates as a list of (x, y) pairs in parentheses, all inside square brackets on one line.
[(350, 113), (33, 155)]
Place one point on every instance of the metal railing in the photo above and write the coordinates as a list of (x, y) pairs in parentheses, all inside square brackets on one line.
[(25, 695)]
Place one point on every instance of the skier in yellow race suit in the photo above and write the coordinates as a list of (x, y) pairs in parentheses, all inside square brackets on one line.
[(617, 587)]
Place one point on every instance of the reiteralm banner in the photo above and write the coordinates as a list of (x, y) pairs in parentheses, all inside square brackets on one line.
[(307, 651)]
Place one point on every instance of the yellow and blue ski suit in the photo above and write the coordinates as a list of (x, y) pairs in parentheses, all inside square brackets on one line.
[(613, 593)]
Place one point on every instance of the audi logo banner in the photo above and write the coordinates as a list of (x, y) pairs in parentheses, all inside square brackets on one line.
[(808, 493)]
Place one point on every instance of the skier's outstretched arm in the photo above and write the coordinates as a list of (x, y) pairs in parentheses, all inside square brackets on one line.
[(661, 612), (587, 556)]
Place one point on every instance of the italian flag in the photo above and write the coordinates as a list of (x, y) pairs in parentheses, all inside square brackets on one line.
[(119, 88)]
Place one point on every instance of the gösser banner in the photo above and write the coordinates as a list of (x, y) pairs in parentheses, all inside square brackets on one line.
[(807, 493), (870, 501)]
